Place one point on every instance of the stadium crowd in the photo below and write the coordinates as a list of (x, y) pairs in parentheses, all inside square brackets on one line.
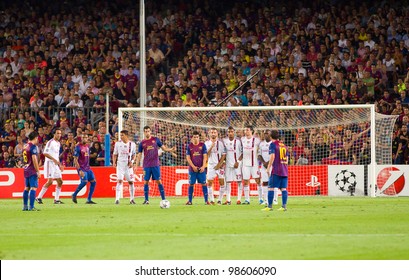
[(57, 63)]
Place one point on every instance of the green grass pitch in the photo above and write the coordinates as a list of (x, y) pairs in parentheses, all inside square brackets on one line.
[(312, 228)]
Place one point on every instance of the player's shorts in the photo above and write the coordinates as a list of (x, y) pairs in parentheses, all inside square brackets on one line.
[(233, 174), (123, 171), (153, 172), (212, 173), (264, 174), (32, 181), (88, 176), (250, 171), (199, 177), (277, 181), (52, 170)]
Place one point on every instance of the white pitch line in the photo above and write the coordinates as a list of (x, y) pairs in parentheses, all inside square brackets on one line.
[(211, 235)]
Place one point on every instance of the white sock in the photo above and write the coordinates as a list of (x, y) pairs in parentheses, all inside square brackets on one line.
[(131, 192), (247, 193), (57, 193), (210, 192), (42, 192), (239, 191), (222, 190), (260, 192), (265, 193), (275, 194), (228, 192), (118, 191)]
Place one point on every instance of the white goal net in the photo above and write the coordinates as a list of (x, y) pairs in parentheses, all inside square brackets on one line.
[(332, 148)]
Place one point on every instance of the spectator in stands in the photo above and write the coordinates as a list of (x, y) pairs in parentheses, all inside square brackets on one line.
[(94, 151), (7, 161), (8, 136), (76, 103)]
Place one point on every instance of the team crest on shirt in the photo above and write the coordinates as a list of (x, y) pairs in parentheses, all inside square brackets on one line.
[(200, 148), (153, 141)]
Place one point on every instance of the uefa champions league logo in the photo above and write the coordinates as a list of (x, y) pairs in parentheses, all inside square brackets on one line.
[(345, 181)]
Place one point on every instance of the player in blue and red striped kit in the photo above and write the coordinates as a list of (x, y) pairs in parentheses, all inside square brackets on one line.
[(196, 156), (279, 175), (31, 171), (150, 146), (81, 161)]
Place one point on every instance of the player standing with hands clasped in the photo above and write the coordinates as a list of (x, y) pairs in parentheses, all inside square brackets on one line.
[(196, 156), (250, 162), (279, 175), (123, 159), (216, 154), (264, 157), (234, 156), (52, 167), (150, 146)]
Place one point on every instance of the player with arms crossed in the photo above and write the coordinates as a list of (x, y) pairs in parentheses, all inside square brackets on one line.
[(250, 162), (234, 155), (279, 175), (31, 171), (216, 154), (123, 159), (150, 146), (264, 158), (81, 162), (196, 156), (52, 167)]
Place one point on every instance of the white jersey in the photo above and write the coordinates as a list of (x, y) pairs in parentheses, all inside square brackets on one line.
[(250, 151), (125, 151), (264, 153), (52, 148), (263, 150), (216, 153), (234, 150)]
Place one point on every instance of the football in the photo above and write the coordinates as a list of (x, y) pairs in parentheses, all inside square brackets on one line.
[(164, 204)]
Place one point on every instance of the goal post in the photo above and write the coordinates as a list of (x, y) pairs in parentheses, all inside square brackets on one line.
[(332, 148)]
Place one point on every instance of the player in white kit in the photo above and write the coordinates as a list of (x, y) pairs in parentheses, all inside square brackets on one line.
[(123, 159), (264, 158), (52, 167), (250, 162), (234, 155), (216, 154)]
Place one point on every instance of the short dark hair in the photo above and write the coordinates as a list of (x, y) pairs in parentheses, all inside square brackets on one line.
[(250, 127), (230, 128), (195, 132), (274, 134), (146, 127), (32, 135), (55, 130), (124, 132)]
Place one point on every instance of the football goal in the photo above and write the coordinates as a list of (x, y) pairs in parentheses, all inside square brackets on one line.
[(333, 149)]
